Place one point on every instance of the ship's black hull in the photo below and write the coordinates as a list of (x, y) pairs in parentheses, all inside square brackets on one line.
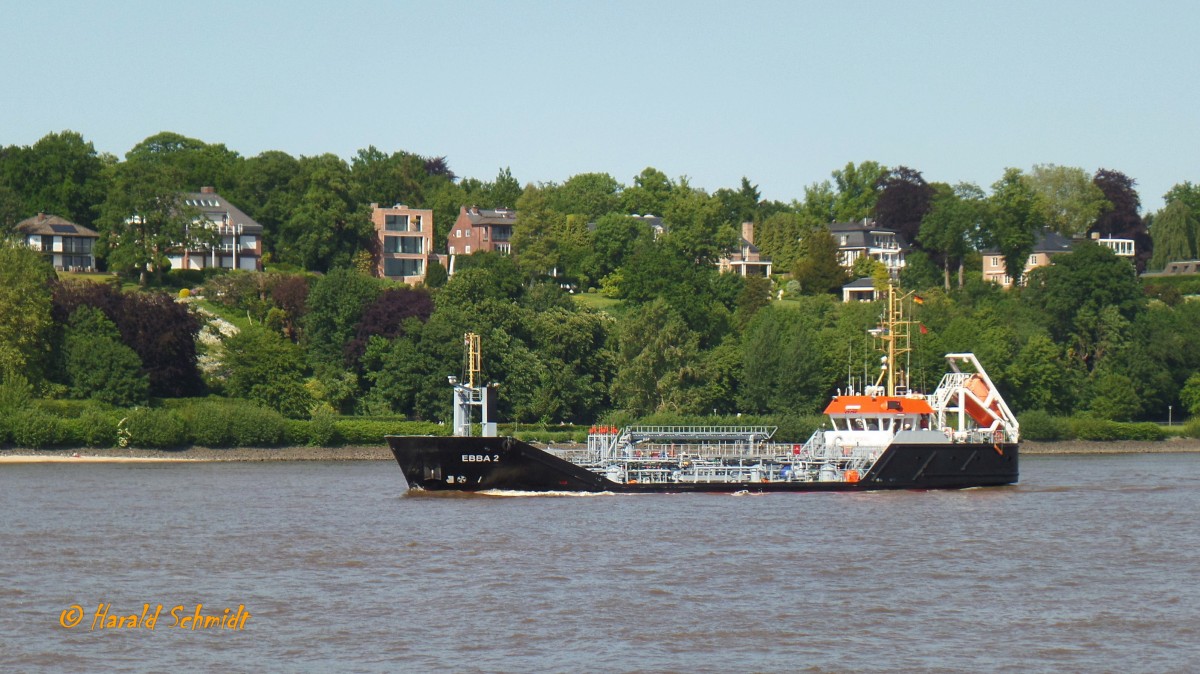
[(507, 464)]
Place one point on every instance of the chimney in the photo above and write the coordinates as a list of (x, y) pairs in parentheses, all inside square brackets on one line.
[(41, 216), (748, 232), (207, 189), (374, 205)]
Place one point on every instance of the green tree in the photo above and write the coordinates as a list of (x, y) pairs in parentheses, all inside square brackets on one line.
[(62, 174), (1173, 232), (857, 190), (1070, 201), (783, 368), (196, 162), (24, 312), (778, 238), (267, 369), (649, 193), (952, 225), (588, 194), (145, 217), (1014, 218), (326, 228), (534, 242), (335, 306), (818, 269), (503, 192), (657, 361), (1190, 395), (99, 365)]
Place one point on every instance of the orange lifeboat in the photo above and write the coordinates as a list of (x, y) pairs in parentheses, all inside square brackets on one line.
[(979, 388)]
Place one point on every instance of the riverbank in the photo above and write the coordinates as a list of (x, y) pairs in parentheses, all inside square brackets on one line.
[(382, 453)]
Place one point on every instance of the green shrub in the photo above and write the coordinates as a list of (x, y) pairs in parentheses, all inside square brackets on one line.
[(1041, 425), (1088, 428), (1192, 428), (208, 424), (357, 431), (322, 428), (156, 428), (35, 429), (295, 432), (253, 426), (98, 428)]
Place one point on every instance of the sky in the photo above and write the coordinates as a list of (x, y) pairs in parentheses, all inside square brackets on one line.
[(782, 93)]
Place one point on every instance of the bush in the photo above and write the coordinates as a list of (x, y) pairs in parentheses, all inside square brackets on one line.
[(1088, 428), (1192, 428), (256, 427), (322, 428), (98, 428), (156, 428), (355, 431), (1041, 425), (35, 429)]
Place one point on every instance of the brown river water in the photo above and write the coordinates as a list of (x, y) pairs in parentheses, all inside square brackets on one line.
[(1088, 565)]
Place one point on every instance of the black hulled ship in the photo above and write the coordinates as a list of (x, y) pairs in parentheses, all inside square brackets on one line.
[(884, 437)]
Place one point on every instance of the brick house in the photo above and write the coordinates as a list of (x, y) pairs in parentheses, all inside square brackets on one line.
[(481, 229), (239, 244), (404, 237), (68, 246), (746, 261)]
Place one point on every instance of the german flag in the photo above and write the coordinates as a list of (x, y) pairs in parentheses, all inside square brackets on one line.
[(918, 299)]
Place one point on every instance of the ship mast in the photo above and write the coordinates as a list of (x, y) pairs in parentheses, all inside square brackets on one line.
[(894, 339)]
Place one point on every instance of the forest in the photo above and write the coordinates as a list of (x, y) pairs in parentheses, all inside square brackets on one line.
[(591, 319)]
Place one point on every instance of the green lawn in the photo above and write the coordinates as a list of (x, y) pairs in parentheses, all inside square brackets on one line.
[(599, 303)]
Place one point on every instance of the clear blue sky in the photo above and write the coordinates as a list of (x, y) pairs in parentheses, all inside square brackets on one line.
[(781, 92)]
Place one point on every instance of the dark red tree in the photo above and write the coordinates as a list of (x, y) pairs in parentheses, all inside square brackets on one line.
[(1122, 220), (385, 318), (904, 199), (160, 330)]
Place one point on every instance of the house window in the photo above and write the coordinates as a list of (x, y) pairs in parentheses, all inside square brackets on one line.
[(408, 245), (402, 267), (451, 250), (458, 233), (1033, 260), (395, 223), (416, 223), (467, 251), (995, 262)]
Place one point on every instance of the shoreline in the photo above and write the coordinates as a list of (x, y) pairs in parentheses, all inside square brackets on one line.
[(382, 453)]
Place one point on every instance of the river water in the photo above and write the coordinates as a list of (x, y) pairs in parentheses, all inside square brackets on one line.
[(1088, 565)]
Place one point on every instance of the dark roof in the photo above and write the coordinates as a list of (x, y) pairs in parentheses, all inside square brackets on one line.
[(858, 234), (491, 216), (52, 225), (860, 283), (215, 207), (1047, 242)]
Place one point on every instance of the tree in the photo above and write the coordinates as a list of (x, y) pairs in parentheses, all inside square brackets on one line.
[(657, 360), (268, 188), (99, 365), (857, 190), (588, 194), (62, 174), (197, 163), (614, 240), (1122, 221), (1014, 218), (904, 198), (503, 192), (1089, 297), (649, 193), (740, 205), (1070, 201), (25, 318), (1173, 232), (783, 368), (335, 306), (818, 269), (267, 369), (386, 316), (145, 217), (326, 228), (778, 238), (952, 225), (534, 244)]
